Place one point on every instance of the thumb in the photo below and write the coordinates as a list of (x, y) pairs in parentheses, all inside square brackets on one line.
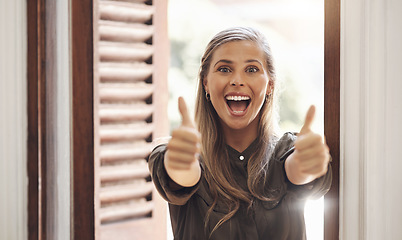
[(186, 120), (308, 122)]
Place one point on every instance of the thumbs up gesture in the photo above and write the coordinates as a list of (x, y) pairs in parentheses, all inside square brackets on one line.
[(311, 156), (181, 158)]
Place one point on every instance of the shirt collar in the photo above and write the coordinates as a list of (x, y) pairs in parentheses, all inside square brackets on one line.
[(242, 156)]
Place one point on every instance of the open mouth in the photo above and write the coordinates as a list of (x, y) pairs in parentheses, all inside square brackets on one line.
[(238, 104)]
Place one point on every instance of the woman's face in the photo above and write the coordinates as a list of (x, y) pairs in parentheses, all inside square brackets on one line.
[(237, 82)]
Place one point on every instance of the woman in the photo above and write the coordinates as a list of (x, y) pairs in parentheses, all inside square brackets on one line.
[(229, 176)]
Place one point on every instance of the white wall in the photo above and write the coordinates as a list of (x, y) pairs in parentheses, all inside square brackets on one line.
[(371, 119), (13, 122)]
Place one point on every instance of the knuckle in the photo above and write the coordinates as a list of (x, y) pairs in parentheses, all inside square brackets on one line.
[(175, 131), (323, 170), (299, 143), (168, 154), (317, 138), (192, 137), (323, 167), (171, 143)]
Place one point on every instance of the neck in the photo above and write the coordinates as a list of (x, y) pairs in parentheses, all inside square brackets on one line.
[(240, 139)]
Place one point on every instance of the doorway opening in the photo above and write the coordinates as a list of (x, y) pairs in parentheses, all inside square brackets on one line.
[(295, 31)]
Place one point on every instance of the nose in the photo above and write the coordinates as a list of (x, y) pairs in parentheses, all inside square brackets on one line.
[(236, 80)]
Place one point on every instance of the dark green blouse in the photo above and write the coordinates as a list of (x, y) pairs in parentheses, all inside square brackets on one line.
[(282, 218)]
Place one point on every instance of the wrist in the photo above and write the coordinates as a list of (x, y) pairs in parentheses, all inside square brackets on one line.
[(184, 177), (294, 172)]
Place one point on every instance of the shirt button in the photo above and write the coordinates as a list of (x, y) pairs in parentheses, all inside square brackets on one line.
[(241, 158)]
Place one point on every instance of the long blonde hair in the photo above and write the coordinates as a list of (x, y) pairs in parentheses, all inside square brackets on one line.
[(214, 155)]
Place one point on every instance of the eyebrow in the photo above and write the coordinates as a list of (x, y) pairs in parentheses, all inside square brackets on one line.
[(254, 60), (224, 61), (231, 62)]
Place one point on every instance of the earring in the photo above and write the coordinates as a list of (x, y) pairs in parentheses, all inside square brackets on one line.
[(207, 96)]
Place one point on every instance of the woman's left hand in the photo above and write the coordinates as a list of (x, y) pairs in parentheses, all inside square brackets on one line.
[(311, 156)]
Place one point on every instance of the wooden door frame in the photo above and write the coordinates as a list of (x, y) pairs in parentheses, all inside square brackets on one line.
[(332, 113), (83, 146), (35, 43), (82, 112)]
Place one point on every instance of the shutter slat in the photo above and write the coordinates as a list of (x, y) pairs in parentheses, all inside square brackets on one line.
[(128, 151), (125, 92), (112, 72), (134, 210), (125, 113), (124, 32), (109, 51), (132, 1), (117, 133), (124, 172), (125, 11), (125, 192)]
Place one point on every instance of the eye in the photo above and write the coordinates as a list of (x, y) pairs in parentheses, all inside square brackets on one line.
[(252, 69), (224, 69)]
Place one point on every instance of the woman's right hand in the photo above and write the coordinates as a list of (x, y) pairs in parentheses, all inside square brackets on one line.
[(181, 158)]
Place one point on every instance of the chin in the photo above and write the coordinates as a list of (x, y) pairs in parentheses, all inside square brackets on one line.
[(237, 124)]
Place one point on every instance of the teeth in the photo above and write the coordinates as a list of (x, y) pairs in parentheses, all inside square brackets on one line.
[(237, 98)]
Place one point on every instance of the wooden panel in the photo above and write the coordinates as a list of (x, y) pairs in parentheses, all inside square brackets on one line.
[(125, 11), (83, 145), (123, 172), (124, 32), (120, 52), (116, 133), (125, 81), (125, 192), (125, 113), (332, 113), (131, 229), (119, 152), (34, 50), (160, 99), (125, 92), (130, 1), (125, 72), (123, 212), (126, 49)]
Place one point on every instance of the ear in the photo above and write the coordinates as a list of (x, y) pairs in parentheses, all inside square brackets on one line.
[(270, 87), (205, 83)]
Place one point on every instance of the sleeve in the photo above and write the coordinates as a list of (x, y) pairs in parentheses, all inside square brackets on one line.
[(312, 190), (167, 188)]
